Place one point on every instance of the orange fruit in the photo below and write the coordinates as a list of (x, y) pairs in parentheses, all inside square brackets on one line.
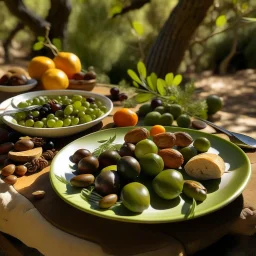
[(156, 129), (38, 65), (68, 62), (125, 117), (55, 79)]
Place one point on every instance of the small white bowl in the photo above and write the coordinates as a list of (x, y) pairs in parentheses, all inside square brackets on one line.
[(54, 132), (19, 88)]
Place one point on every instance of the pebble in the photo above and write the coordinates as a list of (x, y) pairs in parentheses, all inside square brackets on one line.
[(197, 124)]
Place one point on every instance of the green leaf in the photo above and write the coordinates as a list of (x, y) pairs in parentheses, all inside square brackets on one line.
[(221, 21), (234, 2), (244, 7), (38, 46), (134, 76), (135, 84), (61, 179), (249, 19), (161, 86), (153, 78), (101, 141), (57, 43), (40, 38), (138, 28), (177, 80), (143, 97), (169, 79), (150, 84), (142, 69)]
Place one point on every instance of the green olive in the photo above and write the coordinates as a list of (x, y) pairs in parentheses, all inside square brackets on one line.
[(135, 197), (151, 164), (194, 189)]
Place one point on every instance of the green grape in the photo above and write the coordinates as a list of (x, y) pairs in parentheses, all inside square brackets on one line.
[(35, 113), (17, 117), (86, 104), (85, 119), (99, 113), (103, 109), (77, 98), (93, 116), (77, 104), (23, 104), (83, 100), (30, 102), (67, 102), (82, 108), (14, 121), (81, 113), (29, 123), (21, 115), (68, 110), (98, 103), (39, 124), (59, 113), (42, 100), (44, 120), (67, 122), (59, 123), (36, 101), (50, 116), (64, 97), (75, 121), (22, 122), (56, 118), (75, 112), (93, 106), (89, 111), (51, 123)]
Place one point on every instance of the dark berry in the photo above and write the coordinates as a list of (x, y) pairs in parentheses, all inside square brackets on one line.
[(55, 107), (114, 91), (90, 99), (123, 96), (4, 80), (45, 109), (48, 145), (90, 75), (18, 80), (78, 76), (47, 105), (29, 116), (156, 103)]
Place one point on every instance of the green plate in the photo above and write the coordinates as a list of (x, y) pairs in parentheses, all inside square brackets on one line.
[(220, 192)]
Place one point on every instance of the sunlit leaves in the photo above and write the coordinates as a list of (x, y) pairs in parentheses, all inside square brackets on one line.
[(142, 69), (177, 80), (134, 76), (143, 97), (115, 9), (161, 84), (40, 39), (150, 84), (249, 19), (169, 79), (135, 84), (57, 43), (38, 46), (153, 78), (221, 21), (138, 28)]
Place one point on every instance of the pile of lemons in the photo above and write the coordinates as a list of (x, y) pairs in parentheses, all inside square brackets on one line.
[(55, 73)]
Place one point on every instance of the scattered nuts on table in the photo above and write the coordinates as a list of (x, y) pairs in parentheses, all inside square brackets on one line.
[(39, 194)]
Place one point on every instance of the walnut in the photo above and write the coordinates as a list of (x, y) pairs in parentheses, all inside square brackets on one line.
[(36, 164)]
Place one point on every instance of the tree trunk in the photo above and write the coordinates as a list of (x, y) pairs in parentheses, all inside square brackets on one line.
[(169, 48)]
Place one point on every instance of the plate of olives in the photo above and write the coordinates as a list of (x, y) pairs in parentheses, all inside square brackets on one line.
[(125, 174), (59, 113), (14, 83)]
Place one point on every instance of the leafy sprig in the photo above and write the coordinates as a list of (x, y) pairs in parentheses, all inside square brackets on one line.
[(107, 144), (148, 86)]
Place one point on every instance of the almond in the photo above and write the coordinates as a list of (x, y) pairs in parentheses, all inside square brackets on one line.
[(183, 139), (164, 140), (136, 135), (172, 158)]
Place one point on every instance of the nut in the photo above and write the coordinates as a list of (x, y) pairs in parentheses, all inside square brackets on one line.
[(21, 170), (172, 158), (136, 135), (183, 139), (8, 170), (11, 179), (39, 194), (164, 140)]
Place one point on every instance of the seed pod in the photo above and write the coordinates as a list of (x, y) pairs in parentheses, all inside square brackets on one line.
[(194, 189)]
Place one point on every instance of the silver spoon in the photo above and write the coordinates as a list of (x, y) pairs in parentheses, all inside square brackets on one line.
[(241, 140), (14, 111)]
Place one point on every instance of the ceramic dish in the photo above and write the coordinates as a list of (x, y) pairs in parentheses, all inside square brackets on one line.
[(52, 132), (19, 88), (220, 192)]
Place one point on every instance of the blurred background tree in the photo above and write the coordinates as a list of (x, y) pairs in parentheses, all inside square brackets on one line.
[(103, 35)]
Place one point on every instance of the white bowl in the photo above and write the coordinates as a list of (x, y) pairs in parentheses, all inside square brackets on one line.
[(19, 88), (53, 132)]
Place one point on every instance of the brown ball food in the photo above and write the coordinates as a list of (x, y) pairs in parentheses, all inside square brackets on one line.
[(90, 75), (18, 80), (22, 145), (89, 164), (79, 154)]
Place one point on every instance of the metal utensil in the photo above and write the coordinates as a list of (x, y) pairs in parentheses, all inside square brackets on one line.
[(241, 140), (14, 111)]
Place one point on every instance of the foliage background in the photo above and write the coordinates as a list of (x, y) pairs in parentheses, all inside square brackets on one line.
[(110, 46)]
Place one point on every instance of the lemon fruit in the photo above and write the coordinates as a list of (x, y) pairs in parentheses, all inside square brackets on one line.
[(55, 79), (39, 65)]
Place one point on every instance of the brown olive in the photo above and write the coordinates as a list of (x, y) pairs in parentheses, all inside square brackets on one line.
[(22, 145), (82, 180), (78, 76), (88, 164), (127, 149), (21, 170), (8, 170), (18, 79), (90, 75), (4, 80), (79, 154), (11, 179), (108, 201), (6, 147), (3, 158)]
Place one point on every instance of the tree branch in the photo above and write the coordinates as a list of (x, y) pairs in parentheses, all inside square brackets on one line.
[(135, 4)]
